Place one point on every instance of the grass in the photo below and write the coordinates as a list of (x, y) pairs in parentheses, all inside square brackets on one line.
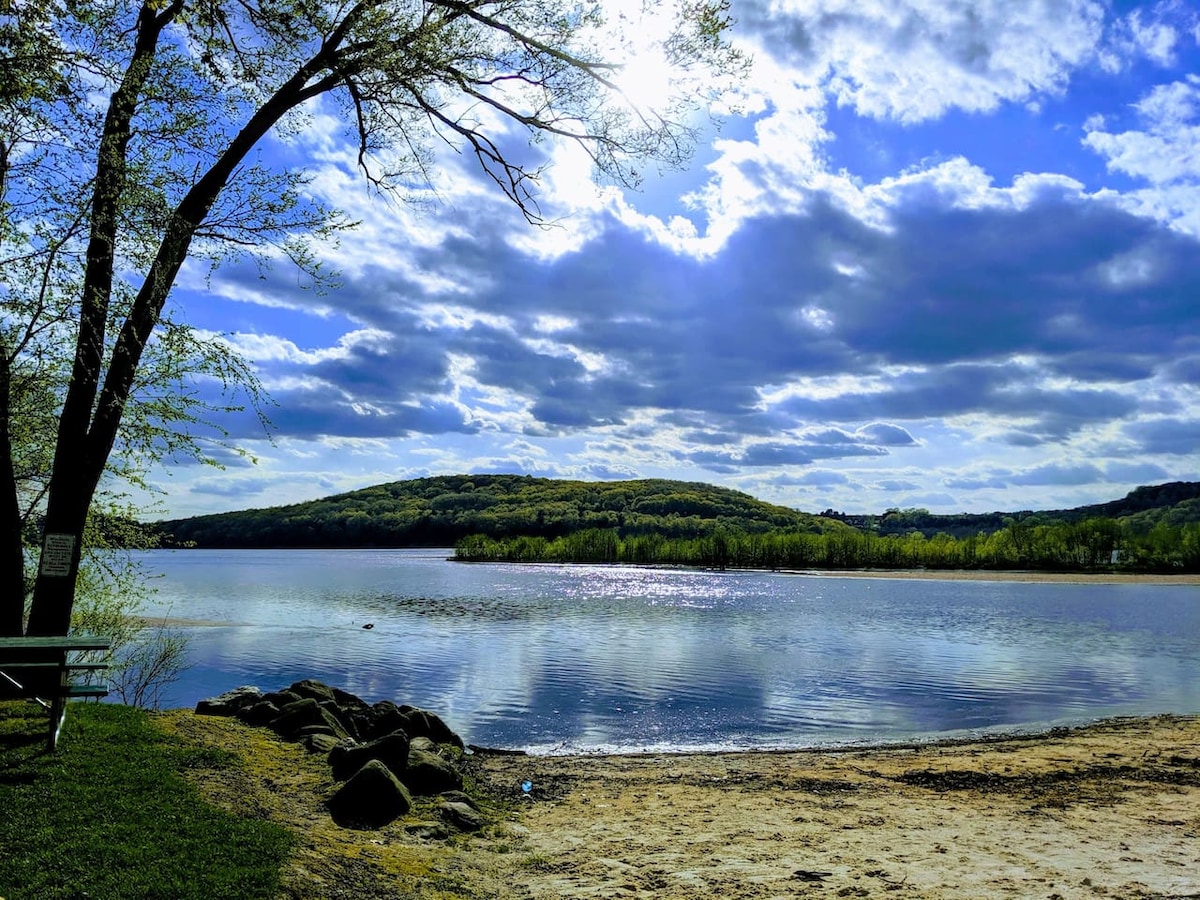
[(110, 814)]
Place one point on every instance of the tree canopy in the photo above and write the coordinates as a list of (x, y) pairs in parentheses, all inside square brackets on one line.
[(518, 518), (438, 511), (130, 142)]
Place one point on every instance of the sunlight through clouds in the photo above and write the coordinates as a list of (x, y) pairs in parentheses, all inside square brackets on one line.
[(932, 254)]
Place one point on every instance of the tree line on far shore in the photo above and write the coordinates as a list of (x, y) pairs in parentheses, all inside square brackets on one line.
[(663, 522), (1096, 544)]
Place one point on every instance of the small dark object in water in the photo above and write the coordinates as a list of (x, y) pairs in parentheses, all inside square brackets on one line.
[(369, 626)]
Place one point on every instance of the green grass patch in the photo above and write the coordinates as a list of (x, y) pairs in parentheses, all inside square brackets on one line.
[(109, 815)]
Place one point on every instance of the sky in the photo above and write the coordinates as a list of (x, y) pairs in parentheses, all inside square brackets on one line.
[(935, 253)]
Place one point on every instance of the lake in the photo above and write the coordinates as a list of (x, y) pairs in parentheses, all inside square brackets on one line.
[(570, 658)]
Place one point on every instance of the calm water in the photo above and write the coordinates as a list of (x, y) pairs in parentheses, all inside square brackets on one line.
[(589, 657)]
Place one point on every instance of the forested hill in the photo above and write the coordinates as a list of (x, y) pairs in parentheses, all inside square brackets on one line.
[(1174, 503), (438, 512), (1152, 502)]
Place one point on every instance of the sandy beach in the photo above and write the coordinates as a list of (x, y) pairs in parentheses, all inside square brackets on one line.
[(1108, 810)]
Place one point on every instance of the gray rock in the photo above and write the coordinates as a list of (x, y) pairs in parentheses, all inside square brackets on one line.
[(316, 729), (424, 743), (379, 719), (428, 831), (324, 693), (282, 698), (428, 774), (228, 703), (302, 713), (458, 797), (461, 816), (342, 716), (349, 701), (391, 750), (423, 723), (261, 713), (313, 689), (319, 743), (371, 799)]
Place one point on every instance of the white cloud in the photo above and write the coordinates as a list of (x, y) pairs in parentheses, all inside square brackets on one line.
[(1165, 152), (263, 348), (1168, 149), (912, 60), (1146, 33)]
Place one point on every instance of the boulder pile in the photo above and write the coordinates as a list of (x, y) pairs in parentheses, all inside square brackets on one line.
[(383, 754)]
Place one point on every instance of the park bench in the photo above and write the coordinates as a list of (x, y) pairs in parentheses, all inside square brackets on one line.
[(44, 669)]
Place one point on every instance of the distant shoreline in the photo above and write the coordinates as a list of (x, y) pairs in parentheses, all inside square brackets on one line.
[(1020, 576)]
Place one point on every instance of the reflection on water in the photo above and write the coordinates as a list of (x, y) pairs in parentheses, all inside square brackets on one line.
[(581, 657)]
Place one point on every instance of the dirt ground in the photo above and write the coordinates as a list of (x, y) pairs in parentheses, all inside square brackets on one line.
[(1111, 810)]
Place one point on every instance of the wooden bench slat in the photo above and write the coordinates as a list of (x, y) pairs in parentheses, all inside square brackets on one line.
[(70, 667), (56, 690), (72, 643), (86, 690)]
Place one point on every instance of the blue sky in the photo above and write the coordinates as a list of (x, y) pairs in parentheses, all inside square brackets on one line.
[(945, 255)]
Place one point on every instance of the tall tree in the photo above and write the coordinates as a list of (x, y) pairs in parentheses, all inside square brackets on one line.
[(191, 88)]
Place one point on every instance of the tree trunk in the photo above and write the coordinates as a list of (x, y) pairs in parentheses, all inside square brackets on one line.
[(88, 425), (12, 552), (75, 474)]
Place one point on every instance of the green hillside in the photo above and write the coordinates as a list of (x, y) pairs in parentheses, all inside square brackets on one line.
[(1175, 503), (438, 512), (1164, 540)]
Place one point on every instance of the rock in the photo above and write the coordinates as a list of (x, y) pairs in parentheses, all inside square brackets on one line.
[(461, 816), (228, 703), (307, 730), (379, 719), (319, 743), (260, 713), (428, 831), (342, 716), (383, 753), (296, 716), (313, 689), (322, 693), (428, 774), (349, 701), (423, 723), (371, 799), (458, 797), (282, 698), (391, 750), (385, 717)]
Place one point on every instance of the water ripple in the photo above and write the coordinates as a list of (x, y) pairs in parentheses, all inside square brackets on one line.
[(585, 657)]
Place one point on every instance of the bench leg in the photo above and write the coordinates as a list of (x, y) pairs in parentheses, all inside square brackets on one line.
[(58, 714)]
